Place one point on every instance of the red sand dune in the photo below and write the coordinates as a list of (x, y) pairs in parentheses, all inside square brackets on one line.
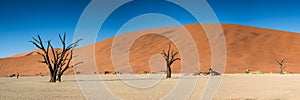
[(247, 48)]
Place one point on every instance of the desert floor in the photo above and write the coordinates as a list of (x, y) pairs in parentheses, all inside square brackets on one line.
[(232, 87)]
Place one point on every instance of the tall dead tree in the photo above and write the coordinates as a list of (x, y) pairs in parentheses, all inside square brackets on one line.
[(57, 60), (281, 62), (169, 56)]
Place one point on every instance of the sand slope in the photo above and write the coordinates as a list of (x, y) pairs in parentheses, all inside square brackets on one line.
[(247, 48)]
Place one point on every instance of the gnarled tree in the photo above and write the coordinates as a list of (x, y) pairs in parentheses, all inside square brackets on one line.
[(281, 62), (57, 60), (282, 59), (169, 56)]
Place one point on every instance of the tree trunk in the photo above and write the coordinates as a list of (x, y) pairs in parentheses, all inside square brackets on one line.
[(59, 78), (168, 71), (53, 78), (281, 69)]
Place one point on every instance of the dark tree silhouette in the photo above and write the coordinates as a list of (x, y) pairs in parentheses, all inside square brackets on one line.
[(57, 61), (281, 63), (169, 56)]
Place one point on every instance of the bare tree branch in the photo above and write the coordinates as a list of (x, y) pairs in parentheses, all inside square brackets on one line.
[(60, 61), (170, 58)]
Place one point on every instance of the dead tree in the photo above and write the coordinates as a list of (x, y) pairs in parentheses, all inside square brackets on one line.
[(57, 61), (281, 63), (169, 56)]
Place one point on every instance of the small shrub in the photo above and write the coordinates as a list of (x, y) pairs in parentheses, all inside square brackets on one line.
[(107, 72), (205, 73), (146, 72), (12, 75), (247, 71), (116, 73)]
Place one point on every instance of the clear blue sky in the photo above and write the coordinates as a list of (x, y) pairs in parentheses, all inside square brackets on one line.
[(20, 20)]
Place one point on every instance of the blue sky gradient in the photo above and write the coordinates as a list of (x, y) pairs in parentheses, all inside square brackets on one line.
[(133, 9), (273, 14), (20, 20)]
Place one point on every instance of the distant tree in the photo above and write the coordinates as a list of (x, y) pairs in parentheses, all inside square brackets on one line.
[(18, 75), (169, 56), (281, 62), (282, 59), (57, 61)]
